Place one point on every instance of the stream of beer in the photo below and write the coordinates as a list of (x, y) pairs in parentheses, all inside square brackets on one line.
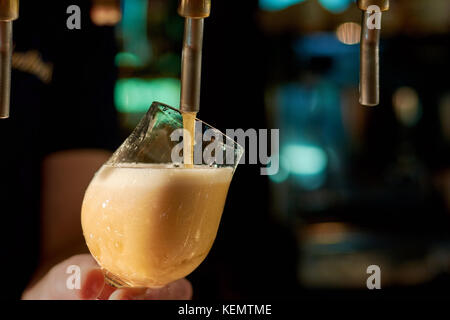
[(188, 142)]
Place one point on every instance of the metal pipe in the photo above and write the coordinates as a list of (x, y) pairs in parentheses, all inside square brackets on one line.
[(5, 67), (9, 11), (369, 79), (191, 66)]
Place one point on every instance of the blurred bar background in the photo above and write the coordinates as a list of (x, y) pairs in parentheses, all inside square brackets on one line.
[(357, 186)]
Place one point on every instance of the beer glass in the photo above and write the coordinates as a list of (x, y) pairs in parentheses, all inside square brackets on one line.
[(147, 218)]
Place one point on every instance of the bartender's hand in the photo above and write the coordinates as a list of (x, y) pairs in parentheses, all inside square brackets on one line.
[(53, 285)]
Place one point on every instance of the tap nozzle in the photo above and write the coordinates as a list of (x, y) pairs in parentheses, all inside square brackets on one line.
[(191, 66), (9, 11), (369, 79)]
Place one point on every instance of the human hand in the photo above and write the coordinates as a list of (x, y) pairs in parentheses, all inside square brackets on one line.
[(53, 285)]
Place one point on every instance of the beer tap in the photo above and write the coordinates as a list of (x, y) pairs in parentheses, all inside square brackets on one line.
[(369, 81), (9, 11), (191, 67)]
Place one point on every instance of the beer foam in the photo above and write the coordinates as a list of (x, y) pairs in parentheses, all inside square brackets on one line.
[(154, 175), (151, 224)]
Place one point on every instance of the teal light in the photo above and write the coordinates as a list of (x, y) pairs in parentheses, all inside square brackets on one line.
[(281, 176), (336, 6), (304, 159), (127, 59), (273, 5), (305, 163), (133, 29), (136, 95)]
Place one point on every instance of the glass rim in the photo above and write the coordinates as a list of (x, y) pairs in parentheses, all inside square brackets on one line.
[(159, 104)]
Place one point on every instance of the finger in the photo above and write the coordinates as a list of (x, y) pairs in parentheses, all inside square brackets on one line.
[(177, 290), (106, 292), (61, 283)]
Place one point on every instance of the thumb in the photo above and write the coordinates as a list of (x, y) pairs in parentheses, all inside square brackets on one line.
[(77, 278)]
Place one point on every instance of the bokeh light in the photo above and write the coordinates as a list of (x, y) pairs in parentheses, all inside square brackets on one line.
[(406, 106), (335, 6), (305, 159), (349, 33), (105, 15), (307, 163), (273, 5), (135, 95), (282, 174), (127, 59), (327, 232)]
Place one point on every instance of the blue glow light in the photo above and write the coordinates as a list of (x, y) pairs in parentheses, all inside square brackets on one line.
[(274, 5), (322, 45), (304, 159), (336, 6)]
